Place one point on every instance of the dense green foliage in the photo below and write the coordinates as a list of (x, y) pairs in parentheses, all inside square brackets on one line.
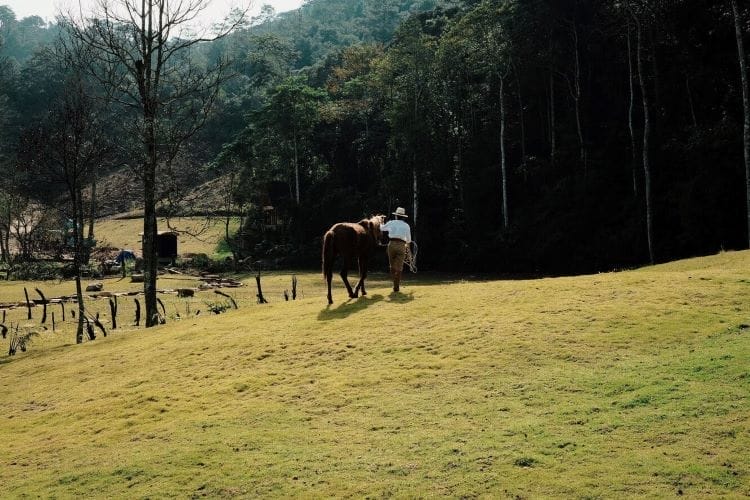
[(513, 128)]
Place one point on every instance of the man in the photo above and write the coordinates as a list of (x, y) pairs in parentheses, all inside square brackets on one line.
[(399, 234)]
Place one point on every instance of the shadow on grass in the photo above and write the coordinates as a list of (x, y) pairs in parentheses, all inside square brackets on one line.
[(349, 307), (400, 297)]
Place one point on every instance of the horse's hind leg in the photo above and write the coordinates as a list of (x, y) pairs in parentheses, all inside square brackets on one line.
[(329, 276), (344, 274)]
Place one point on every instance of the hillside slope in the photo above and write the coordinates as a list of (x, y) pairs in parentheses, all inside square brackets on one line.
[(616, 384), (196, 234)]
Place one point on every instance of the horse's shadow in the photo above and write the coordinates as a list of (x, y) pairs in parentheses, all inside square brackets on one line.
[(349, 307)]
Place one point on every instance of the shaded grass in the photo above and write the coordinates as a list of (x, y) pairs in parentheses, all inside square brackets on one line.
[(627, 384)]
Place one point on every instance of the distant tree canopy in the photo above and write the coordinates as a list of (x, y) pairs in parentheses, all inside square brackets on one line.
[(522, 136)]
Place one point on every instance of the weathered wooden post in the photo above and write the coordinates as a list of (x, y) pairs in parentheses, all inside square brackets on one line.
[(137, 312), (99, 325), (89, 328), (113, 310), (44, 305), (28, 304), (261, 299)]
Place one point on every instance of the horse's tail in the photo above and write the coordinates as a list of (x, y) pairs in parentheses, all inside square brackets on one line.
[(328, 253)]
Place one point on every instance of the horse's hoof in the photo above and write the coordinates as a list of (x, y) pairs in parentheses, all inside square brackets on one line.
[(364, 293)]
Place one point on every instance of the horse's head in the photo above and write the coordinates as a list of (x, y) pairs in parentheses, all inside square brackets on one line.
[(372, 226)]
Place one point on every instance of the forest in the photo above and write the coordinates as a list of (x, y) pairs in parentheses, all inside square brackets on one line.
[(521, 136)]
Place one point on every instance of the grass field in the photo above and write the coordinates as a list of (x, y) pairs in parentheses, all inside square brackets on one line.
[(198, 235), (602, 386)]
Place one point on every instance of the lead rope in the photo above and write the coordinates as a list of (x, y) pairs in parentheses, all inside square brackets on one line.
[(411, 256)]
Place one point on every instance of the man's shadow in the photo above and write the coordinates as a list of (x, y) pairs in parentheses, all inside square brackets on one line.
[(400, 298), (349, 307)]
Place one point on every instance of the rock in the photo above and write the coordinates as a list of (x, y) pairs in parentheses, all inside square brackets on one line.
[(95, 287)]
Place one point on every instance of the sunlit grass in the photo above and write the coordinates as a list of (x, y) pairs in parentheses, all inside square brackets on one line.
[(621, 384), (197, 234)]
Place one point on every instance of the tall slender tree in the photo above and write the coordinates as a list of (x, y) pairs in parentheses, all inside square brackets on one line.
[(645, 96), (745, 105), (292, 111)]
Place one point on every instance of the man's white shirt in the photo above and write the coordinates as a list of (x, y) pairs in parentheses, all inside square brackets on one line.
[(397, 229)]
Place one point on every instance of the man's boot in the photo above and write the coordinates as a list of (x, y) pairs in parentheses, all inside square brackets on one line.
[(396, 280)]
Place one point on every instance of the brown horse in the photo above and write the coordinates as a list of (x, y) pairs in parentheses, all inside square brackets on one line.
[(350, 240)]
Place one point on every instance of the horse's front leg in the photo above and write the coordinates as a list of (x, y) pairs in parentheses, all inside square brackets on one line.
[(344, 274), (362, 276)]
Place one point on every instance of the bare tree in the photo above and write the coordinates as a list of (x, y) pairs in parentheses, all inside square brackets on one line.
[(76, 147), (142, 51), (646, 131), (10, 205), (503, 154), (631, 112), (576, 93), (66, 149)]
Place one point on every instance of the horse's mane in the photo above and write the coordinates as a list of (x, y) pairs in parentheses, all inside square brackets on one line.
[(373, 223), (375, 219)]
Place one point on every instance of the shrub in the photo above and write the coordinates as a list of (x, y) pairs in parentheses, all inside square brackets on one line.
[(35, 271)]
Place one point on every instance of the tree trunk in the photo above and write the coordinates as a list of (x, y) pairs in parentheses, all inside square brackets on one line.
[(690, 101), (458, 163), (631, 112), (577, 100), (79, 296), (503, 166), (646, 139), (92, 216), (150, 262), (78, 256), (4, 251), (458, 183), (5, 232), (296, 168), (552, 134), (745, 107), (521, 121), (655, 68), (415, 200)]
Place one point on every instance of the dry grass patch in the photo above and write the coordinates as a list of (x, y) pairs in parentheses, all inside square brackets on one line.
[(200, 235)]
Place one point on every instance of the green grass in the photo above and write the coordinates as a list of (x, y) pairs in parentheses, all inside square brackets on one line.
[(611, 385)]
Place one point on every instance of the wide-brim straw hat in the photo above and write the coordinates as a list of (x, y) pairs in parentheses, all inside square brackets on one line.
[(401, 212)]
